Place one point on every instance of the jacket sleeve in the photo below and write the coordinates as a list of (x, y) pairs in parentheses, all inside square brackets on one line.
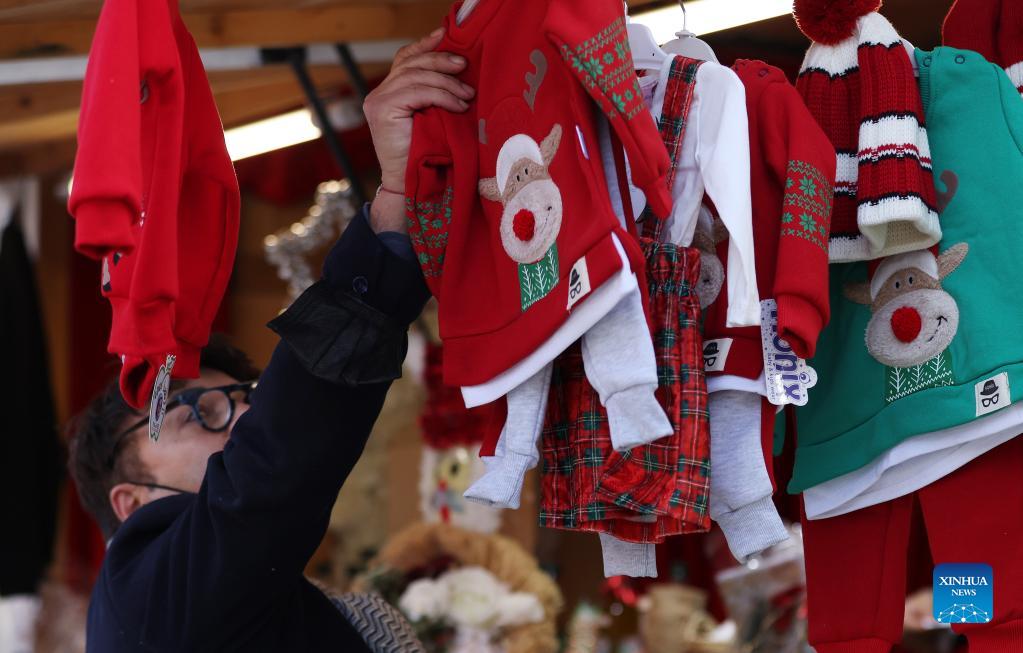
[(592, 39), (106, 194), (429, 195), (722, 155), (803, 161), (243, 542)]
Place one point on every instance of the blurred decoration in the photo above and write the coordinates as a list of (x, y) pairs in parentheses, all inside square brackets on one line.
[(584, 629), (766, 598), (472, 602), (453, 615), (445, 474), (60, 627), (288, 250), (452, 435), (357, 522), (673, 619), (922, 633), (624, 590)]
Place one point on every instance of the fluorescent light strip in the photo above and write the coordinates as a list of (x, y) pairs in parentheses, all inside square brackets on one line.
[(271, 134), (707, 16)]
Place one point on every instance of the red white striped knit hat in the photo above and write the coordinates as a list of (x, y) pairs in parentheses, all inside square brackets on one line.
[(994, 28), (857, 80)]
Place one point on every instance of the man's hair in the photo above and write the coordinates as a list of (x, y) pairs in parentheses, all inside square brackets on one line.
[(99, 459)]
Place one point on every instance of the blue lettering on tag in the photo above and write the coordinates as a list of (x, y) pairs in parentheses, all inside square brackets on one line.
[(787, 376)]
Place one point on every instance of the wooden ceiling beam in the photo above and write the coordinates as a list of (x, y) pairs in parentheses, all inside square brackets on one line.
[(45, 159), (364, 21), (37, 114)]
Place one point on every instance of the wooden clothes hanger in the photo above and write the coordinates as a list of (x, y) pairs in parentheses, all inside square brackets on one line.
[(646, 54), (688, 44)]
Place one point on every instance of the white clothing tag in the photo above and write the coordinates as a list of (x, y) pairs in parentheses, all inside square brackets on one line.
[(582, 142), (578, 282), (787, 376), (993, 394), (715, 354), (158, 402), (467, 8)]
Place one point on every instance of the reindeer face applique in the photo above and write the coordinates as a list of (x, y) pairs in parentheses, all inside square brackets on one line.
[(710, 231), (913, 318), (531, 217)]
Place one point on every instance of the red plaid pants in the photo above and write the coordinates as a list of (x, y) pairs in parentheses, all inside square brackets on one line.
[(656, 490)]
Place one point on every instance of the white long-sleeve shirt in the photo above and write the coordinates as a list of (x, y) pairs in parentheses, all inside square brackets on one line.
[(715, 159)]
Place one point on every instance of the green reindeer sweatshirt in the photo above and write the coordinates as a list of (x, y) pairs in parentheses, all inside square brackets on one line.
[(923, 358)]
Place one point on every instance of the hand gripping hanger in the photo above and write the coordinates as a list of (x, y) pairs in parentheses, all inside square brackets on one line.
[(688, 44)]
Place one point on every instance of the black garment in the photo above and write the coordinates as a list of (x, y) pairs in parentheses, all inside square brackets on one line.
[(30, 461), (222, 570)]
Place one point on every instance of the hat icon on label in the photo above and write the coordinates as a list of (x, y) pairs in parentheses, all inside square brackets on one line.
[(710, 355), (714, 354), (989, 394)]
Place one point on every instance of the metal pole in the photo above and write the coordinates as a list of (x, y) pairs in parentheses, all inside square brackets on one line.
[(355, 75), (296, 59)]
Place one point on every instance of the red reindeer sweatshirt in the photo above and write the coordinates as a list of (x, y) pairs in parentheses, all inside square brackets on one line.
[(155, 195), (507, 204), (792, 175)]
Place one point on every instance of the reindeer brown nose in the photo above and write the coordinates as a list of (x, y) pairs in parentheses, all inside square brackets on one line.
[(906, 324), (524, 225)]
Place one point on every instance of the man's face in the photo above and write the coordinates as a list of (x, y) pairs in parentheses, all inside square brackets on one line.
[(178, 459)]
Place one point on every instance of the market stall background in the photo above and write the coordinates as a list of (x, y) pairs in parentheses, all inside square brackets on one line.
[(43, 44)]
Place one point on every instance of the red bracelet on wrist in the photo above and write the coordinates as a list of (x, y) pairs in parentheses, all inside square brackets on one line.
[(382, 189)]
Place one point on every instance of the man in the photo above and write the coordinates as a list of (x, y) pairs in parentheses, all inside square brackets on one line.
[(210, 527)]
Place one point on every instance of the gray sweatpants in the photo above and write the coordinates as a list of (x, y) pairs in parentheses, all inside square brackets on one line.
[(618, 356)]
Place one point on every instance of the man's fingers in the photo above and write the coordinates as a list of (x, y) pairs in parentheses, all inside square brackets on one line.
[(418, 77), (441, 62), (420, 96), (425, 44)]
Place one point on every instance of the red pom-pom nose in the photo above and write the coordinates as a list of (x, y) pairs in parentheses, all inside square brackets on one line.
[(524, 225), (906, 324)]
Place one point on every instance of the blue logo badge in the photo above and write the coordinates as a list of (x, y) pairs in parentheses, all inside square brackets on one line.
[(964, 593)]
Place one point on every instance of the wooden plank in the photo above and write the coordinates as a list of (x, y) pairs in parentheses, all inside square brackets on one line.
[(363, 21), (45, 159), (43, 10), (42, 113)]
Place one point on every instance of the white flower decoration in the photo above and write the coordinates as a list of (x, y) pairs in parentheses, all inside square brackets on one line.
[(425, 599)]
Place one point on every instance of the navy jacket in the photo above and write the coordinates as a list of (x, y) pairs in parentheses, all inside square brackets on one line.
[(221, 570)]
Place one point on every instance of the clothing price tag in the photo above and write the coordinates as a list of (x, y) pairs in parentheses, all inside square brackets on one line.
[(158, 402), (788, 377)]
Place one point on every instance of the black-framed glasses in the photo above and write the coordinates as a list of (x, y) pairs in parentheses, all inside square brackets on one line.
[(212, 408)]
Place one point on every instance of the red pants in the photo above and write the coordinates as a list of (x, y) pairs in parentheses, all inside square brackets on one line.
[(856, 563)]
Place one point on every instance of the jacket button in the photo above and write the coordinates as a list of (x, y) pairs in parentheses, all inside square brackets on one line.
[(360, 285), (927, 61), (763, 72), (960, 58)]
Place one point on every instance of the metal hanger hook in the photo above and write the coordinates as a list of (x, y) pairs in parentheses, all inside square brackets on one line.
[(682, 4)]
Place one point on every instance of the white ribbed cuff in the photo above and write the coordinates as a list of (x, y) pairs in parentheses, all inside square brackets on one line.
[(635, 417), (842, 249), (501, 485), (898, 225), (621, 558), (752, 528)]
